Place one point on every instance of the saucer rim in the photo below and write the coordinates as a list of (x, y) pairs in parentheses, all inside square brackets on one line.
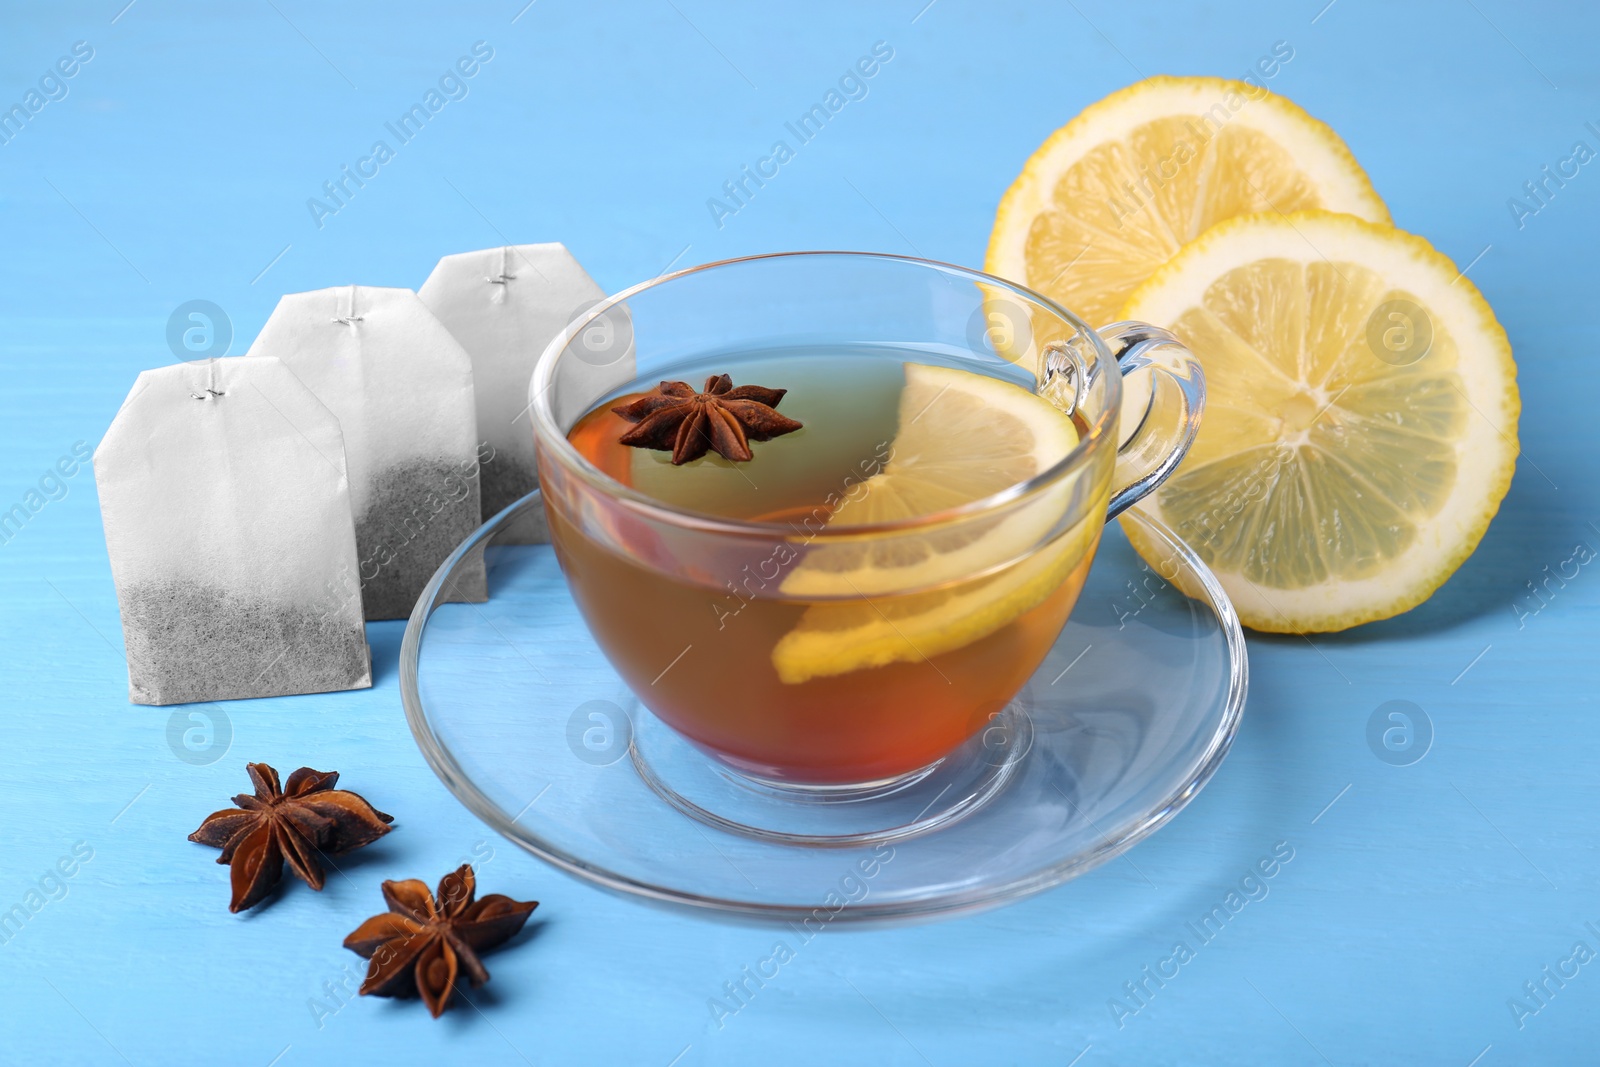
[(444, 764)]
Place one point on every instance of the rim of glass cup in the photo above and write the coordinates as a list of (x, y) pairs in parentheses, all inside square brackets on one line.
[(552, 440)]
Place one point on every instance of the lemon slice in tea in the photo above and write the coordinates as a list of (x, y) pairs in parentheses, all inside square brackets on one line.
[(961, 437)]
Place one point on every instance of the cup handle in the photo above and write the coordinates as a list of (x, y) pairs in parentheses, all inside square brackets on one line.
[(1160, 412)]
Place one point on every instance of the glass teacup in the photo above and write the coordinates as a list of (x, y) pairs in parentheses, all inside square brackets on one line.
[(806, 654)]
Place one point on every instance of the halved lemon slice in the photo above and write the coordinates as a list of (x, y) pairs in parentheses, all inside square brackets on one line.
[(1114, 193), (961, 437), (1361, 417)]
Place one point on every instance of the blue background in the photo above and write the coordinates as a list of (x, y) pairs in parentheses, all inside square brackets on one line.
[(178, 168)]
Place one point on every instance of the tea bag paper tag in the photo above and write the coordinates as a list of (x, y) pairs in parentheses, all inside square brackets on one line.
[(401, 387), (505, 306), (226, 506)]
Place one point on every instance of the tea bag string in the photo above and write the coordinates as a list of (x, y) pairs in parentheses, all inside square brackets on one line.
[(211, 383), (501, 282), (349, 318), (505, 274)]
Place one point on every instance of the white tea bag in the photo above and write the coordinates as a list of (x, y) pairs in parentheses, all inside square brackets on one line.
[(402, 389), (505, 306), (227, 516)]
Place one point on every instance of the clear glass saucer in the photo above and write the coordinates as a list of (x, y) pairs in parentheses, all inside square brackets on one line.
[(517, 710)]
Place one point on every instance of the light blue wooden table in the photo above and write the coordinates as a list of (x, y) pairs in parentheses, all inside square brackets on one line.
[(1420, 899)]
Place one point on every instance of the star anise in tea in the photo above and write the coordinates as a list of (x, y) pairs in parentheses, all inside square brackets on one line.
[(674, 418), (287, 824), (423, 943)]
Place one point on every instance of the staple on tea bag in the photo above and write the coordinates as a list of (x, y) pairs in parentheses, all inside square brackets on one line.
[(226, 508), (505, 306), (402, 389)]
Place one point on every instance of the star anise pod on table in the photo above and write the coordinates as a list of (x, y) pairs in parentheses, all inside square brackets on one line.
[(422, 944), (674, 418), (289, 823)]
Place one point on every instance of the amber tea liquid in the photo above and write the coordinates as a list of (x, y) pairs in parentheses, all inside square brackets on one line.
[(699, 653)]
